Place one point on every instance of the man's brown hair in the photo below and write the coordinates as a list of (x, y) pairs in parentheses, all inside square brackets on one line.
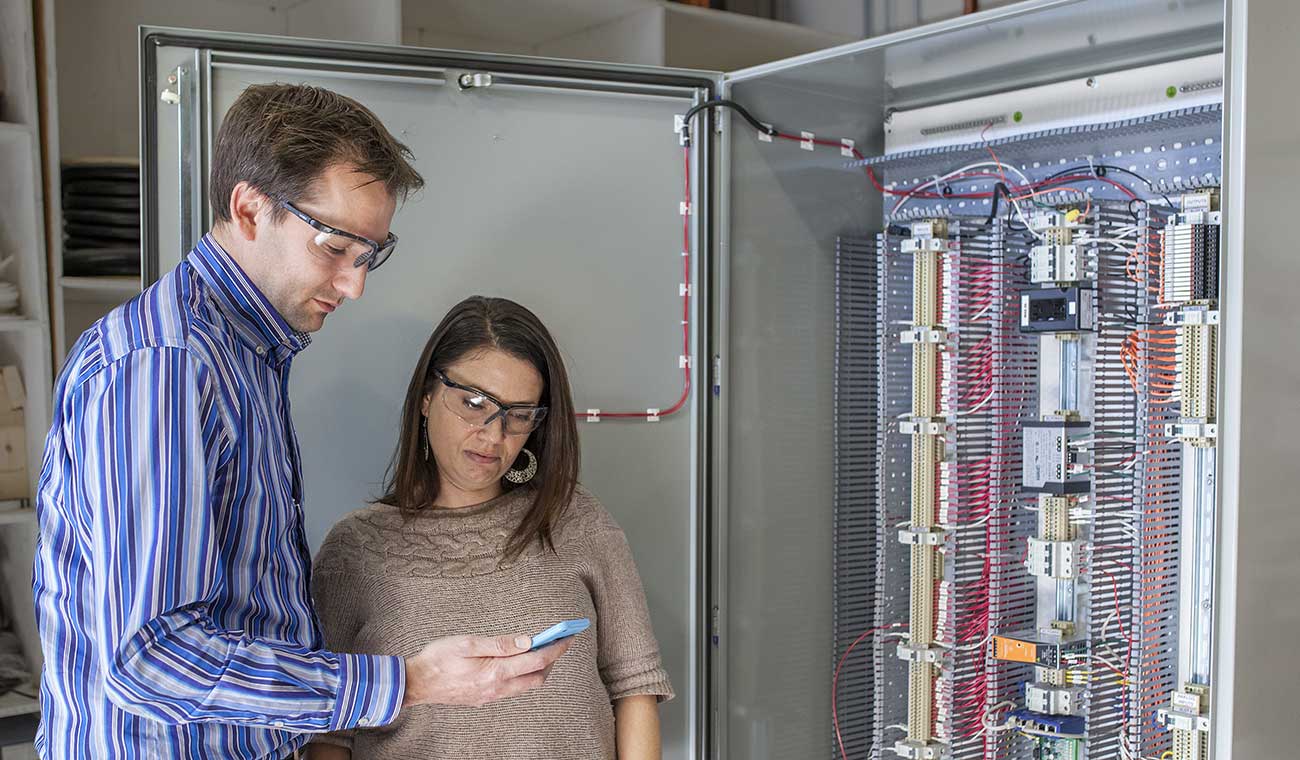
[(280, 138)]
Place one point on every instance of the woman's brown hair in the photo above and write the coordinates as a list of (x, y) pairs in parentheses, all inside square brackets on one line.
[(473, 325)]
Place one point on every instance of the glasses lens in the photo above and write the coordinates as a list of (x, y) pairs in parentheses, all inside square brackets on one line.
[(338, 249), (474, 408), (381, 255), (520, 421)]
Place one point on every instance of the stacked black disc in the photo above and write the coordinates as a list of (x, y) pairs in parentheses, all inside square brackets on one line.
[(101, 218)]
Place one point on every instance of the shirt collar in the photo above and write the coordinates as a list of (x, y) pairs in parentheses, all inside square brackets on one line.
[(256, 321)]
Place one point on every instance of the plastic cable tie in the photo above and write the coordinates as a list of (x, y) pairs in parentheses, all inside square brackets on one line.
[(652, 415), (846, 148), (593, 415), (808, 138)]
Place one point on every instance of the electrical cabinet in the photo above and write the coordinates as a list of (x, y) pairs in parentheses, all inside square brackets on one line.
[(957, 423)]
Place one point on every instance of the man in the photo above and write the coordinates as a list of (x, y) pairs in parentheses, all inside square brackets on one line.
[(172, 572)]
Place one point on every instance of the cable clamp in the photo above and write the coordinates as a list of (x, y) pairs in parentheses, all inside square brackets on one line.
[(923, 426), (683, 290), (1200, 431), (1193, 317), (917, 245), (683, 361), (679, 126), (593, 415), (1186, 721), (919, 652), (765, 136), (847, 148), (652, 415), (808, 138), (685, 208), (922, 536), (919, 750), (924, 334)]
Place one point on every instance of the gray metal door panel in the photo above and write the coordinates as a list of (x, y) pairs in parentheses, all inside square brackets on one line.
[(564, 198)]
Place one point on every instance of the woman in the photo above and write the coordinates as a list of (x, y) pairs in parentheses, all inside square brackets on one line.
[(484, 529)]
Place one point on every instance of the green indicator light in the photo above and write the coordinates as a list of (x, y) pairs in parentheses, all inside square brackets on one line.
[(1171, 91), (1017, 116)]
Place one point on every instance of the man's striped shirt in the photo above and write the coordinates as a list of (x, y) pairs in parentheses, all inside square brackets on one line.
[(172, 571)]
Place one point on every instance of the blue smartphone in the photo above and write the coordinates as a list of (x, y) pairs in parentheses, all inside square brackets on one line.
[(560, 631)]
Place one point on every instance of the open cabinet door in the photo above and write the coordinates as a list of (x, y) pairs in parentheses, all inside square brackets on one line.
[(556, 184)]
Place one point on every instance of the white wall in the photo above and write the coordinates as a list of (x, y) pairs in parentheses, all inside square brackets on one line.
[(96, 42), (867, 18)]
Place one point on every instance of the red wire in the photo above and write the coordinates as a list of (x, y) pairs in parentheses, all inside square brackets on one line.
[(686, 311), (835, 683)]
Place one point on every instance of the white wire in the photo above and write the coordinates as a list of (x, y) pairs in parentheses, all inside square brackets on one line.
[(984, 721), (978, 406), (978, 165), (1023, 220)]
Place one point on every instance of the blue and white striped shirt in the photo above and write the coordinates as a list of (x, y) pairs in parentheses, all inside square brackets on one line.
[(172, 570)]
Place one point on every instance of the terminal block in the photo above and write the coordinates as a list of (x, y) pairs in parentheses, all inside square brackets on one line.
[(1197, 370), (1188, 719), (1049, 461), (1189, 268)]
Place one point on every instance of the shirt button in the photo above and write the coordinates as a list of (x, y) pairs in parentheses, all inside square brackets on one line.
[(261, 350), (278, 723), (363, 722)]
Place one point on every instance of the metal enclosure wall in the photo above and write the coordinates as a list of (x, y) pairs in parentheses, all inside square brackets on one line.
[(787, 206), (564, 201), (1256, 664)]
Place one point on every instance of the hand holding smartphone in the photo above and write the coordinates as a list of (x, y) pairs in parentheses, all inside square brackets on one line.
[(560, 631)]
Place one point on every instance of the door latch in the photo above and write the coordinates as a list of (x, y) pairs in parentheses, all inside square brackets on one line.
[(472, 80)]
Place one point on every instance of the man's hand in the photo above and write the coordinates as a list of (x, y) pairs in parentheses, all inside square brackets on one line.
[(474, 670)]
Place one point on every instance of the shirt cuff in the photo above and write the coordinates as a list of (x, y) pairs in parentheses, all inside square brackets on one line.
[(371, 689)]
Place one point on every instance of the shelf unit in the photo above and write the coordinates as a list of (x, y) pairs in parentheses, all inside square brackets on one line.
[(25, 336)]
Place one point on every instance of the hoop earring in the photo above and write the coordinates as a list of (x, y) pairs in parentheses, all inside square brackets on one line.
[(424, 435), (519, 477)]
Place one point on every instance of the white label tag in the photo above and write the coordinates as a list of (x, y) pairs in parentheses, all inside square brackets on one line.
[(1196, 202)]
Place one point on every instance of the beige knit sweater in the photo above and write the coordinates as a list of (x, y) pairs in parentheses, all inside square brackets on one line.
[(388, 585)]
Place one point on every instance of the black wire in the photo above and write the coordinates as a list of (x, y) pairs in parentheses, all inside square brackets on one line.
[(993, 212), (1112, 168), (722, 103)]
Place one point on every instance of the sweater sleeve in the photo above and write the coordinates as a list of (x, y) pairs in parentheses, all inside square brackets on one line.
[(339, 606), (627, 652)]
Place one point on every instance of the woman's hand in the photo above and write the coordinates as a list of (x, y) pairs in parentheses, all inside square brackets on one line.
[(636, 726)]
